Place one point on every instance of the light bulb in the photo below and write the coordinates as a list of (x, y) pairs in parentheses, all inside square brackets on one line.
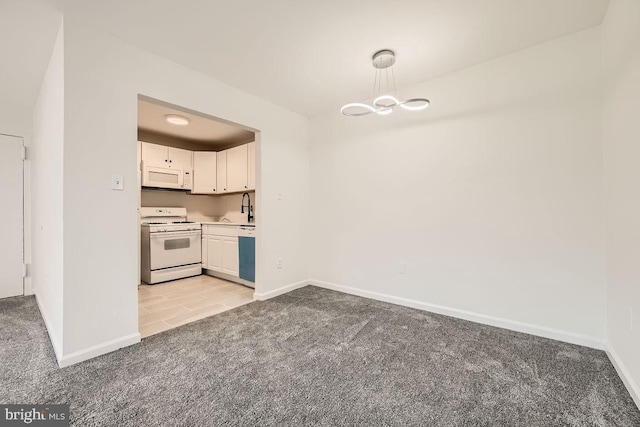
[(175, 119)]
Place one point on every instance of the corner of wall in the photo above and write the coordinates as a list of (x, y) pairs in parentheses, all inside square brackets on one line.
[(623, 372), (56, 342)]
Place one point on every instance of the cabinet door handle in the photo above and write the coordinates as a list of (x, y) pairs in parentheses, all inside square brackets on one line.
[(214, 189), (166, 160), (245, 186)]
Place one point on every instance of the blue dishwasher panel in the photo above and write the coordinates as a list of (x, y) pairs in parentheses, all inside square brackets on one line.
[(247, 252)]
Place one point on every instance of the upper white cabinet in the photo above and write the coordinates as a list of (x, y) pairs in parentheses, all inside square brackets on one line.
[(251, 147), (166, 157), (237, 168), (181, 159), (205, 166), (222, 171), (155, 155)]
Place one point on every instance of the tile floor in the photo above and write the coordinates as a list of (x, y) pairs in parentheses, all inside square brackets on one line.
[(167, 305)]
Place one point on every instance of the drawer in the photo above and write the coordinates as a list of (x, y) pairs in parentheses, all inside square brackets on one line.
[(221, 230)]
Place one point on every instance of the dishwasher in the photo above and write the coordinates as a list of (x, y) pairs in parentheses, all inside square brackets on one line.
[(247, 253)]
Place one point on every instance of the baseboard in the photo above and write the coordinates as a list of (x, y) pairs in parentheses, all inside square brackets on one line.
[(98, 350), (283, 290), (623, 373), (52, 337), (512, 325)]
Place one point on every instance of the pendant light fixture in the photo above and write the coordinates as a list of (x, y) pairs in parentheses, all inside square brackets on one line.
[(384, 102)]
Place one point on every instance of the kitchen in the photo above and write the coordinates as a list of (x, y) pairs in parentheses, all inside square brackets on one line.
[(196, 213)]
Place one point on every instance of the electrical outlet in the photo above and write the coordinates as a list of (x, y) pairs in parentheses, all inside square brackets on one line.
[(279, 263), (280, 195)]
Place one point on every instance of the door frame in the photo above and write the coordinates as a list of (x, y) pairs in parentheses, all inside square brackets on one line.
[(27, 286)]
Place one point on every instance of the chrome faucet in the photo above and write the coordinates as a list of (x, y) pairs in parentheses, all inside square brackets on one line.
[(248, 206)]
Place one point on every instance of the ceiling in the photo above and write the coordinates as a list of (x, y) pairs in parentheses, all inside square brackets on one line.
[(201, 129), (314, 56)]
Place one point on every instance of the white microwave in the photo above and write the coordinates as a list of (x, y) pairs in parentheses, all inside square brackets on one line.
[(158, 177)]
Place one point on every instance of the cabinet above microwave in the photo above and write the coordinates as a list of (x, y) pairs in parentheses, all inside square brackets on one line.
[(166, 157)]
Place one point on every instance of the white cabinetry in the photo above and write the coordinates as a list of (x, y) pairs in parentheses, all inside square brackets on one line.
[(222, 171), (237, 168), (230, 258), (227, 171), (220, 249), (251, 148), (212, 253), (155, 155), (180, 159), (205, 172), (166, 157)]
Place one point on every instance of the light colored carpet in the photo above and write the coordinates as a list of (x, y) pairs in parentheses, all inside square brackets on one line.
[(318, 357)]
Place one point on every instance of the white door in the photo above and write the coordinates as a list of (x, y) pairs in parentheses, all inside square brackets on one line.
[(204, 172), (221, 173), (214, 253), (237, 164), (180, 159), (155, 155), (11, 194), (230, 256)]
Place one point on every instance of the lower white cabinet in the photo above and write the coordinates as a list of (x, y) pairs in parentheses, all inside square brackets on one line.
[(212, 253), (230, 259), (220, 249)]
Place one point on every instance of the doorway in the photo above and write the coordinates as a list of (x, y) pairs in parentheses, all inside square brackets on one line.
[(197, 188), (12, 214)]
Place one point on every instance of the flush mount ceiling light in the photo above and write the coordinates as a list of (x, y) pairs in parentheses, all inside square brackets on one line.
[(175, 119), (384, 104)]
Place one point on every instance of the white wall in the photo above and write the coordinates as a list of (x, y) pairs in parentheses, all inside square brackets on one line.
[(15, 119), (228, 206), (46, 158), (490, 202), (621, 135), (200, 207), (103, 77)]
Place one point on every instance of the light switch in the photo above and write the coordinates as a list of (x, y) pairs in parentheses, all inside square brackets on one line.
[(117, 182)]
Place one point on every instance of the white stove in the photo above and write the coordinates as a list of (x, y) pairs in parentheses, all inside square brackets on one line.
[(170, 245)]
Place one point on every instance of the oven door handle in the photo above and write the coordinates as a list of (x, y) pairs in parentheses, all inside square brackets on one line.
[(174, 234)]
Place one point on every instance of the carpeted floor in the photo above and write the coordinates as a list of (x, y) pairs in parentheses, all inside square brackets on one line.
[(318, 357)]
